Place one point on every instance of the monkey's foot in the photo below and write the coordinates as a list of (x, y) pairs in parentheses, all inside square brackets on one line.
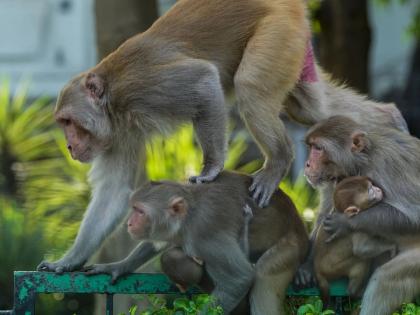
[(263, 186), (207, 175), (113, 269), (58, 266)]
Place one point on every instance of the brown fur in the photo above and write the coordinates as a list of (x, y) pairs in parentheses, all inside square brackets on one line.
[(338, 259)]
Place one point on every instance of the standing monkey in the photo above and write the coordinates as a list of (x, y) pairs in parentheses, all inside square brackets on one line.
[(349, 256), (179, 71), (207, 222)]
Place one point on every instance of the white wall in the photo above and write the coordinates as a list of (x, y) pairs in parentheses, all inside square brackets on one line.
[(47, 41)]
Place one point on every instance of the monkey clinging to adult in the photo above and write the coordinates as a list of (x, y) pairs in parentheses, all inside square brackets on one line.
[(207, 222), (340, 147), (349, 256), (179, 71)]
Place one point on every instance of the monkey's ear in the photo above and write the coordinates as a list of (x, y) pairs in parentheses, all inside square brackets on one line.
[(178, 207), (351, 211), (95, 85), (359, 141)]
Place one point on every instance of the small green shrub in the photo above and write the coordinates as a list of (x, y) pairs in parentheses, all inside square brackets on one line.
[(408, 309), (180, 306)]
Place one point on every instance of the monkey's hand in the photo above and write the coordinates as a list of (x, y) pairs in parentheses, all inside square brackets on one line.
[(337, 225), (59, 266), (305, 276), (115, 270), (264, 183)]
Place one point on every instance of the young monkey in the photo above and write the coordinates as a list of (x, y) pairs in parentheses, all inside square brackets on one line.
[(349, 256), (213, 246)]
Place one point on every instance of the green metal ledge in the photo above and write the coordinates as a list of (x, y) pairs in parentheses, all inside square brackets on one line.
[(30, 283)]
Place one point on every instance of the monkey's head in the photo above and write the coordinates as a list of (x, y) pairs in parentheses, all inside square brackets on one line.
[(356, 193), (82, 113), (337, 148), (158, 211)]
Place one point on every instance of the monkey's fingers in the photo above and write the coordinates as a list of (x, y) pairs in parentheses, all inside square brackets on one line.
[(332, 237), (197, 260)]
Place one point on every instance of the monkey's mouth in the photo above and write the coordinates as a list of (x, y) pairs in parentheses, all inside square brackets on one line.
[(83, 156)]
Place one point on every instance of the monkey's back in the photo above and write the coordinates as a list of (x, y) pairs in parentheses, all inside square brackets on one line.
[(276, 223), (219, 30)]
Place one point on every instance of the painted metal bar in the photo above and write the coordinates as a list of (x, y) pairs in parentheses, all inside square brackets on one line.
[(30, 283), (110, 304)]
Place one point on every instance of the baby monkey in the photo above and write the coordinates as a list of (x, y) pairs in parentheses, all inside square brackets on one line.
[(349, 256)]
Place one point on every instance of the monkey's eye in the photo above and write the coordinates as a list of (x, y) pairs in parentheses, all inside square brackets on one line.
[(64, 122), (139, 211), (316, 146)]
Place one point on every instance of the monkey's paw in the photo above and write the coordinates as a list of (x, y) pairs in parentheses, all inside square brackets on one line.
[(207, 175), (58, 266), (304, 277), (111, 269), (263, 187)]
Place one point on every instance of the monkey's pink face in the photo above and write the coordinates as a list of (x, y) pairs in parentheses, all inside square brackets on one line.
[(318, 167), (138, 224), (79, 141)]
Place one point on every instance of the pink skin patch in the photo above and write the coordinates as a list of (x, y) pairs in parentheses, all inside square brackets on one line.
[(308, 73)]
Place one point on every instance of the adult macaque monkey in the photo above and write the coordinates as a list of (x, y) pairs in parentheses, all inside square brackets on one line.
[(207, 221), (339, 147), (179, 71), (349, 256)]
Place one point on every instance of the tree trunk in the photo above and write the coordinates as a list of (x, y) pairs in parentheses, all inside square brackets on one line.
[(410, 106), (344, 41), (116, 21)]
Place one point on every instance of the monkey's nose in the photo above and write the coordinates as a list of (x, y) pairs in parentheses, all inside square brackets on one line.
[(69, 147), (307, 164)]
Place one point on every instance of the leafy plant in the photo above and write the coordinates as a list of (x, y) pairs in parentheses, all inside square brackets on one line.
[(408, 309), (178, 157), (180, 306), (314, 308)]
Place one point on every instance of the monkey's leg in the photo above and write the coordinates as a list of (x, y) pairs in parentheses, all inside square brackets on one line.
[(228, 268), (358, 275), (268, 71), (274, 272), (392, 284), (197, 91)]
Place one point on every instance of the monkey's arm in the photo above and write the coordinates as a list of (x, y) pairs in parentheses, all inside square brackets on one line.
[(381, 220), (139, 256), (107, 208)]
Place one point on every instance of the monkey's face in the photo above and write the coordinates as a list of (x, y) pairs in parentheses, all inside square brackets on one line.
[(81, 112), (319, 168), (336, 147), (374, 194), (139, 223), (158, 212)]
